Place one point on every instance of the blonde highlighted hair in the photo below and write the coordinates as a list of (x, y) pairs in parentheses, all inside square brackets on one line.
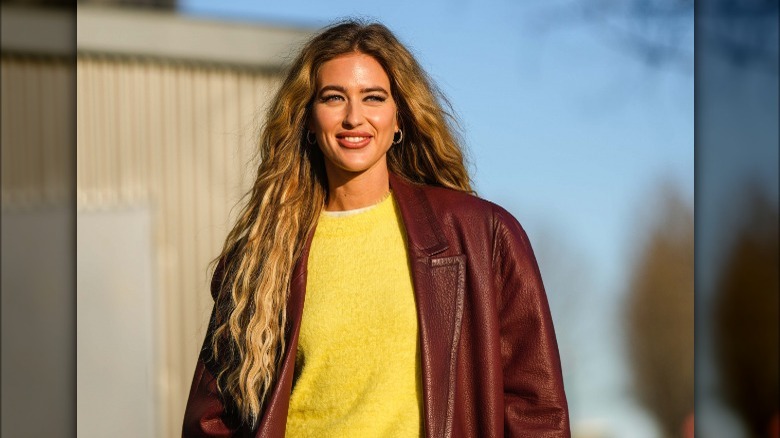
[(252, 278)]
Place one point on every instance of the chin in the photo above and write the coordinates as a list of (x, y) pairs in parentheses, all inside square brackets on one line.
[(356, 167)]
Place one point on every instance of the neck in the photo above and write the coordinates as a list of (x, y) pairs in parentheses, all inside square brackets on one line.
[(350, 192)]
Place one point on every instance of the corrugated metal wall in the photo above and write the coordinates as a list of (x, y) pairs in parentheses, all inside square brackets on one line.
[(37, 243), (172, 137), (177, 137), (37, 141)]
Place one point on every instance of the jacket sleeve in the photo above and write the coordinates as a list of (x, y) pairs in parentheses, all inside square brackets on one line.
[(534, 399), (205, 412)]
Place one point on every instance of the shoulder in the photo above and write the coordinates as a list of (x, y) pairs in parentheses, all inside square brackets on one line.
[(434, 214), (466, 206), (477, 216)]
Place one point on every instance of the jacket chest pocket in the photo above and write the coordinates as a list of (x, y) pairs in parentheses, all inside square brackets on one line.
[(440, 285)]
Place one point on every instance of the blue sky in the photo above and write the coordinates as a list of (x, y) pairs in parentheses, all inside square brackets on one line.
[(569, 129)]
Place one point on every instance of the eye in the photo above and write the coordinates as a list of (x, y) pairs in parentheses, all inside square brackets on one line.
[(375, 98), (330, 98)]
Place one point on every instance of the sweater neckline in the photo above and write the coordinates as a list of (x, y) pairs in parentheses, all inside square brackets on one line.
[(347, 213)]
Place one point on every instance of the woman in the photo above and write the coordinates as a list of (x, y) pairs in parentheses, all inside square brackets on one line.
[(425, 313)]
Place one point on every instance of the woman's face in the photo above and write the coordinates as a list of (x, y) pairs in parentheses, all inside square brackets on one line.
[(354, 116)]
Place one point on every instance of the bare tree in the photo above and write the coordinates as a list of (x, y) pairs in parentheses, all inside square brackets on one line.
[(659, 317), (746, 317)]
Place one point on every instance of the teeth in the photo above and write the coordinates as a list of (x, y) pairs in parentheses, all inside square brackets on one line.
[(354, 139)]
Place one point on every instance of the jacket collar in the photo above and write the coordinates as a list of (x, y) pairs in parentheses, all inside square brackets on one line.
[(422, 227)]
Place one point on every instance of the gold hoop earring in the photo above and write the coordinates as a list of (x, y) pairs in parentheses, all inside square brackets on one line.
[(400, 137), (309, 138)]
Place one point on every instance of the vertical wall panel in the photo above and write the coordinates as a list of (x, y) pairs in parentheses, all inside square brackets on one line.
[(202, 235), (83, 135), (36, 149), (176, 137), (37, 136), (7, 113)]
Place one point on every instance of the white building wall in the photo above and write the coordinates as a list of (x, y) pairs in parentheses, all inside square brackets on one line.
[(176, 139), (167, 114)]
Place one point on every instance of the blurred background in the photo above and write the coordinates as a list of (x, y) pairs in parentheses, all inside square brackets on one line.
[(578, 117)]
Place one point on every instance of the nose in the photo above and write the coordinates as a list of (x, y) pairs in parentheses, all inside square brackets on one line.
[(354, 116)]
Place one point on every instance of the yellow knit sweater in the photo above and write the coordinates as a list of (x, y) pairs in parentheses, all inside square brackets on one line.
[(358, 358)]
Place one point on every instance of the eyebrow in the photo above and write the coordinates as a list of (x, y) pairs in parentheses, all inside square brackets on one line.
[(344, 90)]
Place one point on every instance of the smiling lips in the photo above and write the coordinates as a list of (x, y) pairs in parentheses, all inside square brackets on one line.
[(353, 139)]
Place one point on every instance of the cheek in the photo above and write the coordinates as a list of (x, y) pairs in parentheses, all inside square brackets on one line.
[(322, 119), (384, 121)]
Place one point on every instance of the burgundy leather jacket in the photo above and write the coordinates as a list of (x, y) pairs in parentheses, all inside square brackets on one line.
[(490, 365)]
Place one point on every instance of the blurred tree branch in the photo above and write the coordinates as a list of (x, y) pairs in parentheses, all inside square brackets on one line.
[(744, 31), (660, 32)]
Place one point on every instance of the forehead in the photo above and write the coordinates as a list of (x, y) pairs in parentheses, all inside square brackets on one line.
[(354, 69)]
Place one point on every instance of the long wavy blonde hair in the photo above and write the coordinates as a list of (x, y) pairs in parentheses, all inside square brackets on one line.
[(252, 278)]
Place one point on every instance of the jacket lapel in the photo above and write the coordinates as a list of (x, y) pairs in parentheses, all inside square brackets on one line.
[(439, 285), (274, 420)]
